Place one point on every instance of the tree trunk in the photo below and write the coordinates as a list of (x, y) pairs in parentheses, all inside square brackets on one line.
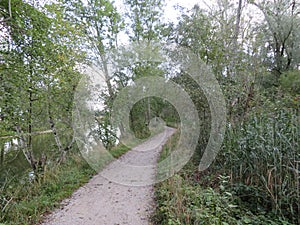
[(54, 131), (9, 9), (28, 150), (29, 141), (148, 110), (29, 156), (248, 100), (236, 35), (1, 154), (100, 48), (238, 21), (107, 77)]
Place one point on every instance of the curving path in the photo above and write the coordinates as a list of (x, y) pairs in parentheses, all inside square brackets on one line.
[(120, 194)]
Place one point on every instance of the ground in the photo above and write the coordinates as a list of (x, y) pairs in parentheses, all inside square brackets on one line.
[(122, 193)]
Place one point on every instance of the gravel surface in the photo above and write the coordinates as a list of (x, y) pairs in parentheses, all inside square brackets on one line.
[(120, 194)]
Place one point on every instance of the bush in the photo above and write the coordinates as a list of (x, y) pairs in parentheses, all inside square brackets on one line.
[(290, 82), (262, 158), (180, 203), (24, 201), (259, 183)]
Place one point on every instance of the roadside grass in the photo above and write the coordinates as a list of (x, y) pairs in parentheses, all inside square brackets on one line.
[(25, 202), (183, 199), (116, 152), (179, 202)]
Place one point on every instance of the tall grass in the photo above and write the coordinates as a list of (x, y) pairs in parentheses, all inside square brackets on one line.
[(183, 199), (262, 158), (24, 201)]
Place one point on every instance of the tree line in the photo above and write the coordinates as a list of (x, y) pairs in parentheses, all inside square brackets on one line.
[(256, 62)]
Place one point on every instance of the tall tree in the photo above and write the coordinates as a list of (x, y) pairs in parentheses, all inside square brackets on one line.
[(145, 19), (144, 29), (281, 38), (100, 24), (35, 61)]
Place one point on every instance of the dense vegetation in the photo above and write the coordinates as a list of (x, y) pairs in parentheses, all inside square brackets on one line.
[(45, 49)]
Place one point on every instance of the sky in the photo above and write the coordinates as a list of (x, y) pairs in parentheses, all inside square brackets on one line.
[(170, 13)]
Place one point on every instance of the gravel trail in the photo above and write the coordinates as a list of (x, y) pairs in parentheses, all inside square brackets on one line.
[(120, 194)]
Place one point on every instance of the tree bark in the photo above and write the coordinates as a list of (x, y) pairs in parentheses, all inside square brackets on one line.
[(235, 38), (1, 154), (29, 141), (28, 149), (54, 131), (148, 110), (4, 20), (29, 156), (238, 21), (107, 77), (56, 137)]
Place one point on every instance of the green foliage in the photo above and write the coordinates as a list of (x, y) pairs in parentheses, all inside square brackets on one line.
[(39, 75), (279, 36), (180, 202), (185, 199), (104, 131), (98, 23), (40, 47), (261, 155), (290, 82), (269, 80), (24, 201), (159, 108), (145, 19), (119, 150), (196, 31)]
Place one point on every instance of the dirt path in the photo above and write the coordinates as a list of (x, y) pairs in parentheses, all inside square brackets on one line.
[(121, 194)]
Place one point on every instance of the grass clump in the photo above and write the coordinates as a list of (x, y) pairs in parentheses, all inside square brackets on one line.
[(24, 201), (180, 202), (253, 180)]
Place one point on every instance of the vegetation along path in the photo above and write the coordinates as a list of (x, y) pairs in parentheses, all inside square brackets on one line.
[(125, 198)]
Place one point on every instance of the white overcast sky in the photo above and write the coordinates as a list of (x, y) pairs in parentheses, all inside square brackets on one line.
[(170, 13)]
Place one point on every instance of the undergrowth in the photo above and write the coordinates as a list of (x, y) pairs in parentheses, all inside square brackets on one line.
[(24, 201), (191, 197), (180, 202)]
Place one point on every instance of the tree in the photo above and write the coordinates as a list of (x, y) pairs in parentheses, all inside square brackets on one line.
[(36, 66), (222, 38), (99, 23), (280, 37), (145, 19), (146, 28)]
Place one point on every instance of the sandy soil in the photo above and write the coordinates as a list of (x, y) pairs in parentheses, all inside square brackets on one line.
[(121, 194)]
